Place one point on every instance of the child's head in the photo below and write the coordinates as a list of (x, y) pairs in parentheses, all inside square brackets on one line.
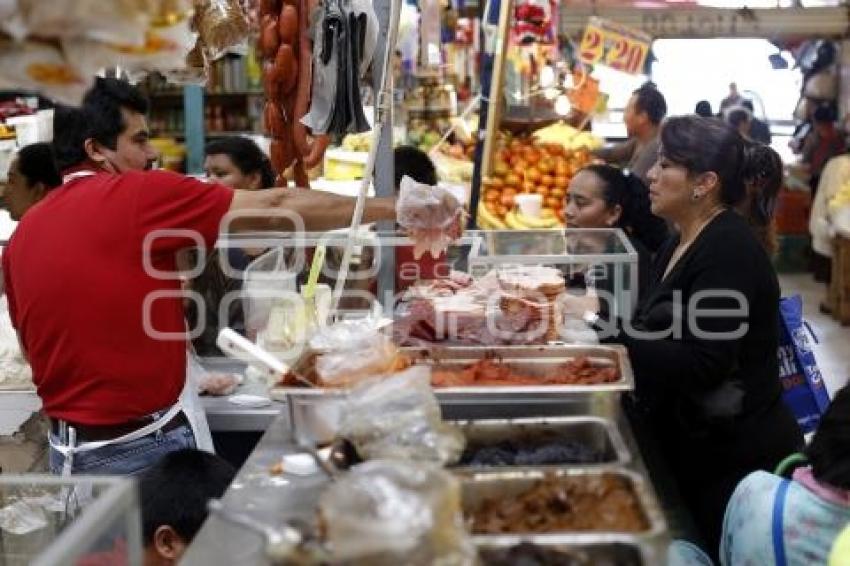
[(415, 164), (174, 495)]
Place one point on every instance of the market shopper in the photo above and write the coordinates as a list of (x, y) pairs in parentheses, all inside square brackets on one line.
[(239, 163), (173, 496), (822, 144), (763, 179), (103, 333), (32, 174), (603, 196), (703, 342), (814, 504), (759, 130), (703, 108), (642, 116)]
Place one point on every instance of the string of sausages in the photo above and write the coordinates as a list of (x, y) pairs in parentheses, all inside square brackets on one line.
[(286, 49)]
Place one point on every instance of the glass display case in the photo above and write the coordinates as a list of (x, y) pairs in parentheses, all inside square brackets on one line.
[(383, 266), (602, 258), (80, 520)]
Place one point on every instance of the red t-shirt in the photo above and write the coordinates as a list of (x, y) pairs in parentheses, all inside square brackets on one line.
[(77, 286)]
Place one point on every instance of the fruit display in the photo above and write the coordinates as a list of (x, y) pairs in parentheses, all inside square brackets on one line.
[(357, 142), (571, 138), (527, 165)]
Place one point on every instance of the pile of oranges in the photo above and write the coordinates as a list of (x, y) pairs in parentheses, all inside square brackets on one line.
[(523, 165)]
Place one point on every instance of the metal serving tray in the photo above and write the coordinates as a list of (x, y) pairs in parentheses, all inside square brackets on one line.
[(476, 486), (625, 551), (598, 434), (315, 412), (533, 360)]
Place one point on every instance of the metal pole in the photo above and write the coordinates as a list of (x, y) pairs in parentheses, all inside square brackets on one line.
[(193, 124), (384, 177)]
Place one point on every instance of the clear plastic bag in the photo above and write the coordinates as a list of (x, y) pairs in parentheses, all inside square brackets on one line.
[(119, 21), (164, 48), (399, 418), (41, 67), (432, 216), (265, 280), (222, 25), (387, 512), (351, 351)]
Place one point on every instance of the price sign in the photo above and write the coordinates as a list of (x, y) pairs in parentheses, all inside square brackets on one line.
[(619, 47)]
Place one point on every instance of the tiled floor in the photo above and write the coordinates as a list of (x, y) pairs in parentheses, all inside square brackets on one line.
[(833, 350)]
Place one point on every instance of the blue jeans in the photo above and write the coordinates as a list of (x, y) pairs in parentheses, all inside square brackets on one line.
[(126, 458)]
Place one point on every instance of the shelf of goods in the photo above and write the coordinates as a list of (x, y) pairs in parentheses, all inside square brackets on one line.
[(556, 428)]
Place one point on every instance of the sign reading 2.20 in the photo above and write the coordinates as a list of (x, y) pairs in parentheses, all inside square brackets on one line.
[(621, 48)]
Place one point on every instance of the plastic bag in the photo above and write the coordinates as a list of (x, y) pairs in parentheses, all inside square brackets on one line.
[(386, 512), (265, 280), (222, 25), (399, 418), (119, 21), (432, 216), (195, 70), (163, 49), (41, 67), (352, 351)]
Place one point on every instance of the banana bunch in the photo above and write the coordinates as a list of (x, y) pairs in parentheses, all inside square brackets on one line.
[(487, 220), (519, 221), (569, 137), (841, 198)]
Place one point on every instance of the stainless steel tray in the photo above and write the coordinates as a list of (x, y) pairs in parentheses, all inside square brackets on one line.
[(598, 434), (619, 551), (315, 411), (533, 360), (476, 486)]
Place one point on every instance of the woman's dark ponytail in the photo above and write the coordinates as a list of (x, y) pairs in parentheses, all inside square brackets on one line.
[(762, 175)]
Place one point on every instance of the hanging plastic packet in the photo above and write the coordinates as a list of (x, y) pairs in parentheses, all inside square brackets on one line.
[(388, 512), (119, 21), (432, 216), (41, 67), (222, 25), (195, 70), (11, 20), (164, 48), (399, 418), (23, 517)]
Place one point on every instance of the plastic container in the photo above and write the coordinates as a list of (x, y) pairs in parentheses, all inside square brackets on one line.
[(265, 282)]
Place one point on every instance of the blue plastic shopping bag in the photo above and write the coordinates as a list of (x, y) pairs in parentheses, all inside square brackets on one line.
[(802, 384)]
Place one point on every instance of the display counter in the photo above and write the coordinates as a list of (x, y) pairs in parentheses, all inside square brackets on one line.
[(274, 500)]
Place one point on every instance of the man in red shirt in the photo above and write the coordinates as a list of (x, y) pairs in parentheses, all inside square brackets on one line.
[(87, 276)]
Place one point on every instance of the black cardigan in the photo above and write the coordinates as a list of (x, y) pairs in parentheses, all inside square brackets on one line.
[(702, 381)]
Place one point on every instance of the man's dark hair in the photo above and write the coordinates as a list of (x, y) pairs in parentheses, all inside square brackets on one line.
[(245, 155), (103, 104), (70, 131), (703, 108), (414, 163), (176, 490), (36, 164), (650, 100), (829, 451)]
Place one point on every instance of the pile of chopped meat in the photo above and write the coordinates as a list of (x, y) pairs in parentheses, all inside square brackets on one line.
[(603, 502), (530, 554), (579, 371), (529, 452)]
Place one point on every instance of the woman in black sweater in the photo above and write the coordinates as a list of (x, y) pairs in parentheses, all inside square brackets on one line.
[(703, 341)]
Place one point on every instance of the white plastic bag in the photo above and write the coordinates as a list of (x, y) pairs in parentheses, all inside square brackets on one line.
[(432, 216), (41, 67), (192, 406)]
